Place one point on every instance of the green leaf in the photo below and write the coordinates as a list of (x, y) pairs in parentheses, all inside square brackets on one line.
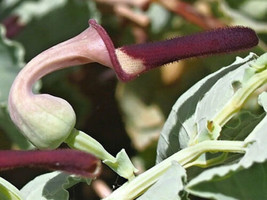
[(29, 10), (158, 23), (12, 59), (235, 183), (9, 191), (243, 13), (12, 132), (54, 24), (244, 5), (241, 126), (189, 116), (247, 177), (50, 186), (122, 165), (169, 185)]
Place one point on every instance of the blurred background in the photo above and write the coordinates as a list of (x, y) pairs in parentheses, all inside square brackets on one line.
[(119, 115)]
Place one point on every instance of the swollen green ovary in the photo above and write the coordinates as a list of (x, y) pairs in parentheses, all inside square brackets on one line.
[(46, 120)]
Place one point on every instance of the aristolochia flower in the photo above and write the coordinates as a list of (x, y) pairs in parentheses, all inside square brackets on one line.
[(47, 120)]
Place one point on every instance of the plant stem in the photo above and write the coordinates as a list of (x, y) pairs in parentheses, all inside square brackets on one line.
[(209, 162), (141, 183), (81, 141), (121, 164), (240, 97)]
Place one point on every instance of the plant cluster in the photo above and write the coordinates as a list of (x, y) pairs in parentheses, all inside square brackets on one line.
[(214, 136)]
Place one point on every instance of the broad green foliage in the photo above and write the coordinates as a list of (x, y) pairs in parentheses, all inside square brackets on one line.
[(200, 103), (8, 191), (244, 13), (11, 60), (248, 176), (49, 186), (213, 100), (157, 24), (63, 21), (171, 183)]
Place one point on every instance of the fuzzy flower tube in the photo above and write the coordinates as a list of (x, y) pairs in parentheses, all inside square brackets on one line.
[(130, 61), (68, 160), (47, 121)]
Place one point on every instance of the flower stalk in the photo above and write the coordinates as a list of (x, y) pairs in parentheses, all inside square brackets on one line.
[(120, 164), (184, 157), (239, 98)]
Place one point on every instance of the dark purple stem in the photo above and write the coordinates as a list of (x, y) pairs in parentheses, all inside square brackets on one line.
[(220, 40), (71, 161)]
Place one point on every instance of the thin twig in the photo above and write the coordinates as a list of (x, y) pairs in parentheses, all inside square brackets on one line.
[(101, 188), (128, 13), (188, 12), (136, 3)]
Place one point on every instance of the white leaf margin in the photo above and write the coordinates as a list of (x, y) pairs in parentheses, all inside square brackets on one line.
[(12, 192), (168, 186), (256, 153), (18, 53), (49, 186), (187, 117)]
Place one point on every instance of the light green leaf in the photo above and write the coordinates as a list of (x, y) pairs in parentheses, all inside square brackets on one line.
[(240, 126), (50, 186), (199, 104), (55, 24), (158, 23), (231, 183), (9, 191), (29, 10), (168, 186), (249, 5), (11, 60), (245, 15), (34, 9), (122, 165), (243, 180)]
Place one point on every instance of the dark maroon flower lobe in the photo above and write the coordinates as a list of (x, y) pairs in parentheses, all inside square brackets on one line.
[(68, 160), (130, 61), (12, 25)]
